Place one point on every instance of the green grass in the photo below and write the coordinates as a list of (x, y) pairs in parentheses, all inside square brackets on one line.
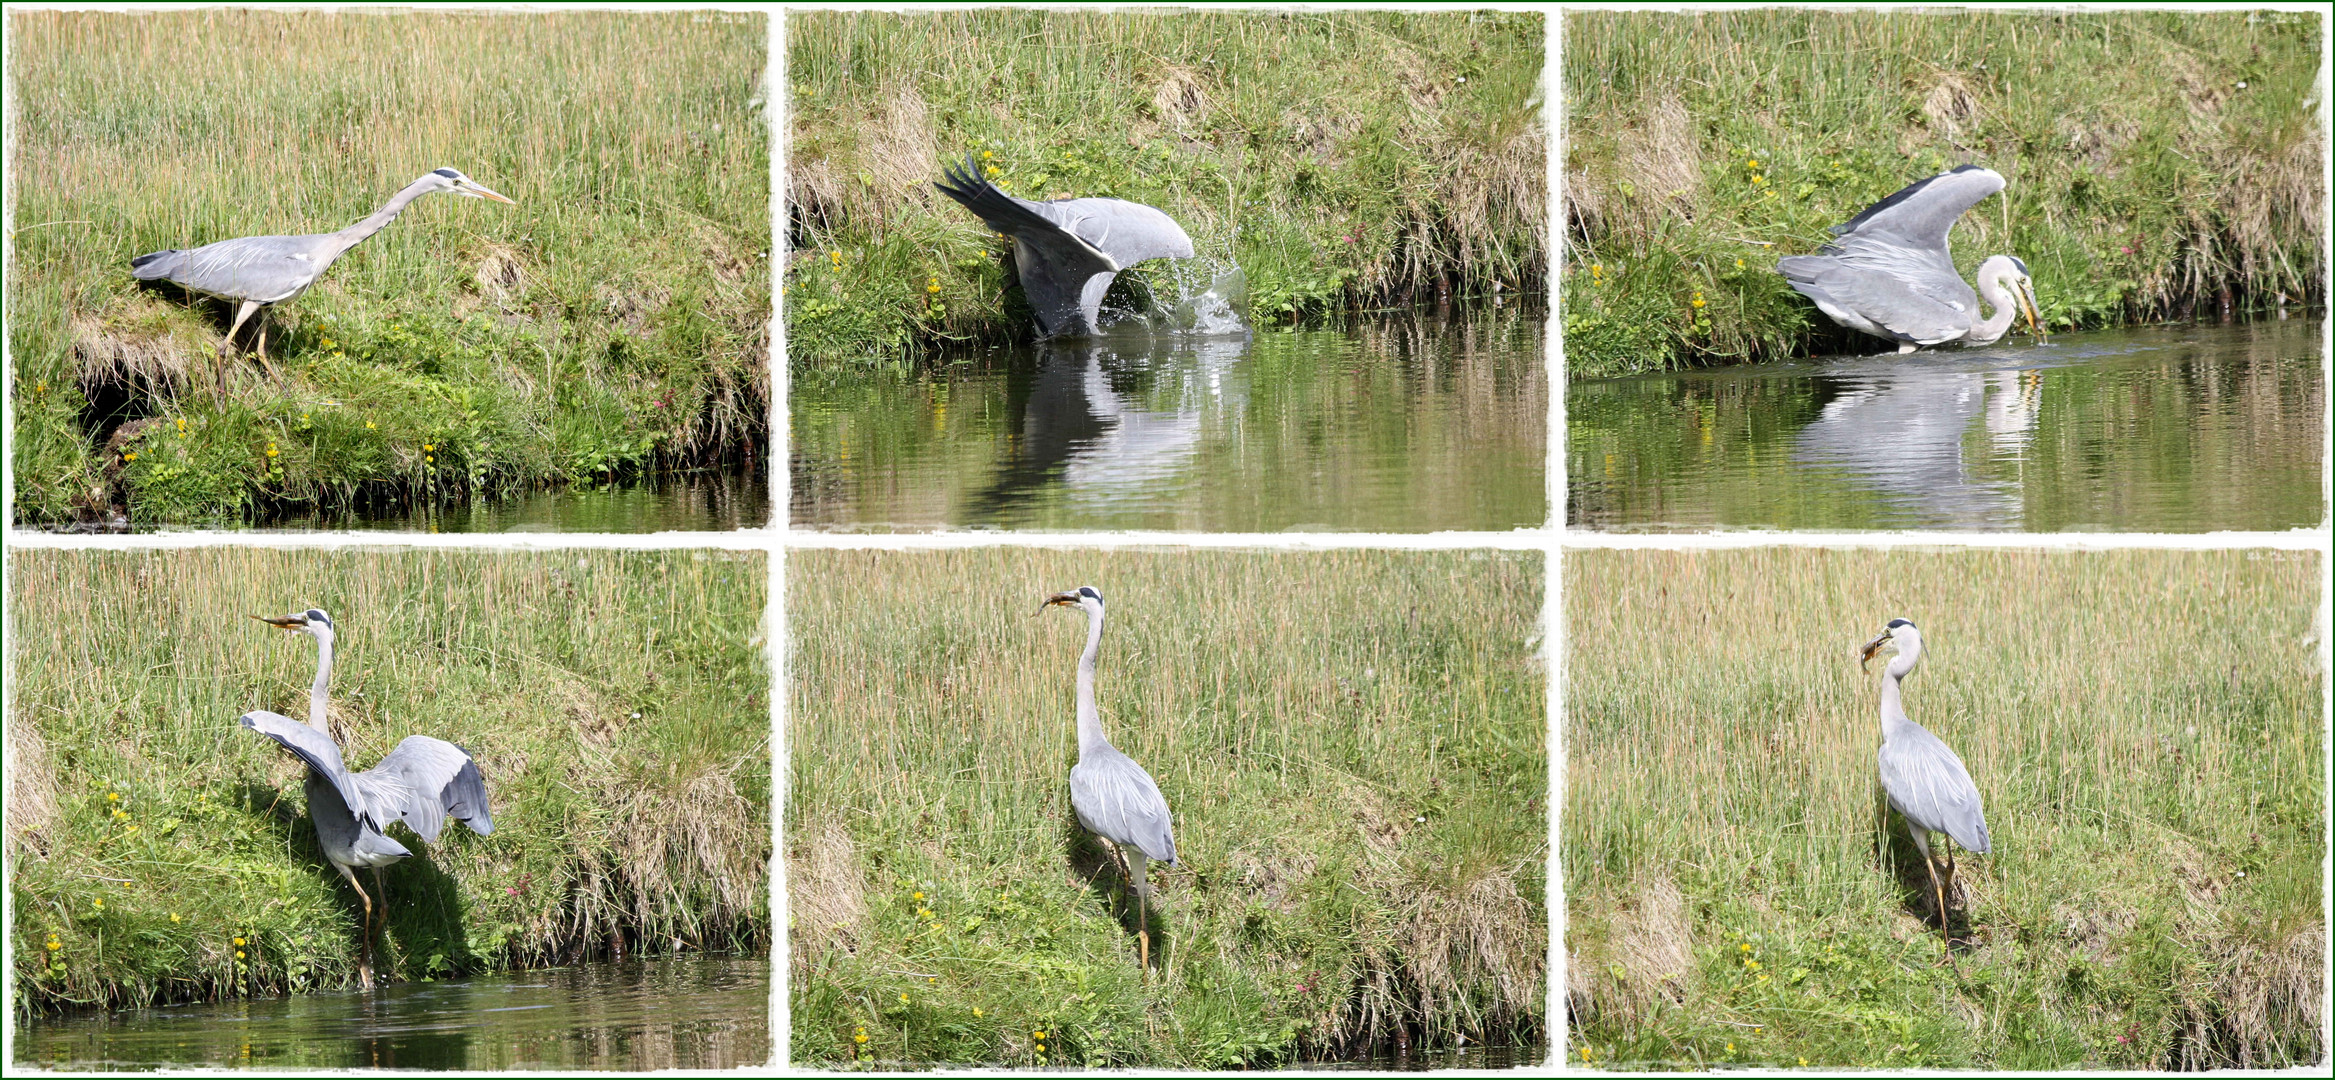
[(2144, 727), (2144, 183), (1342, 160), (1353, 744), (610, 324), (613, 701)]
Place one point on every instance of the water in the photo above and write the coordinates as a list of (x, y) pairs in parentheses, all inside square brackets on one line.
[(2155, 429), (698, 1012), (684, 502), (1404, 423)]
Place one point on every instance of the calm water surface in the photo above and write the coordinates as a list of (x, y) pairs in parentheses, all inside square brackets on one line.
[(1408, 423), (685, 1013), (683, 502), (2155, 429)]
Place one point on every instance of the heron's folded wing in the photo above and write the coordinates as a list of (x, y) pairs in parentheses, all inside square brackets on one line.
[(1883, 300), (1119, 800), (262, 268), (1927, 781), (314, 747), (425, 781), (1127, 232)]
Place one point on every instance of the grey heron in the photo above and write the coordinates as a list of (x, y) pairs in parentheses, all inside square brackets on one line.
[(1923, 778), (1888, 272), (422, 782), (1068, 251), (1113, 797), (257, 271)]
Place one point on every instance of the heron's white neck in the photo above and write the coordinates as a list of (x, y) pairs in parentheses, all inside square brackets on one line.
[(1909, 653), (1991, 275), (379, 219), (1090, 720), (318, 697)]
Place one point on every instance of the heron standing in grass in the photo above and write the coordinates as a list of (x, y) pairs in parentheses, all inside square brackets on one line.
[(258, 271), (1113, 797), (1068, 251), (1923, 778), (1889, 272), (422, 782)]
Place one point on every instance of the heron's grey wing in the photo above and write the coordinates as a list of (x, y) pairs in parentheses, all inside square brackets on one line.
[(1881, 304), (261, 268), (1025, 221), (422, 783), (1117, 800), (1923, 212), (315, 748), (1927, 783)]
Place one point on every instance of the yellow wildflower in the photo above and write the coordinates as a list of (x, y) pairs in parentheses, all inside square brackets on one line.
[(916, 896), (174, 916), (53, 946), (99, 903), (239, 956), (238, 943), (903, 999), (116, 796), (369, 423), (976, 1010)]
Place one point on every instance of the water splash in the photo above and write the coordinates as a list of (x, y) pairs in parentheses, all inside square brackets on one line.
[(1206, 296)]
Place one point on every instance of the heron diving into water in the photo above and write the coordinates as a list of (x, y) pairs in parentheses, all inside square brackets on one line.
[(1888, 272), (422, 782), (1068, 251), (1923, 778), (1113, 797), (258, 271)]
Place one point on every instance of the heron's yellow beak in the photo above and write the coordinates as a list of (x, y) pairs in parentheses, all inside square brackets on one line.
[(1865, 658), (2027, 305), (490, 193), (287, 622)]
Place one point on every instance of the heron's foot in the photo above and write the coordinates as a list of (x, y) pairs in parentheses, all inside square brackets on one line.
[(1143, 947)]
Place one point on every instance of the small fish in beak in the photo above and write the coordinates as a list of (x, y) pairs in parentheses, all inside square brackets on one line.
[(1865, 656), (286, 622)]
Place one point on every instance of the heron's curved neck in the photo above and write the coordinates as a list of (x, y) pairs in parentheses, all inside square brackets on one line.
[(1892, 696), (1090, 720), (379, 219), (318, 696), (1991, 329)]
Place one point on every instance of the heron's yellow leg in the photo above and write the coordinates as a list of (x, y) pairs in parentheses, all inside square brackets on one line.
[(365, 934)]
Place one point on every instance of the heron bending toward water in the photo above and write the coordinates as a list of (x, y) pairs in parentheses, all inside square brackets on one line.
[(422, 782), (1113, 797), (1068, 251), (257, 271), (1923, 778), (1889, 272)]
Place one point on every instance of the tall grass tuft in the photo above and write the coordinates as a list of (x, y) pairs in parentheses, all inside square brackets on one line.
[(2143, 726), (1352, 744), (2161, 164), (1343, 159), (613, 701), (611, 323)]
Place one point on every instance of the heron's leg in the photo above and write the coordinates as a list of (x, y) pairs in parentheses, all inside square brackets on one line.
[(365, 936), (243, 314), (1136, 865)]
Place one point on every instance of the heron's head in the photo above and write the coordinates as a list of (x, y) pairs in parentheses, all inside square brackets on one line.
[(453, 180), (313, 622), (1084, 597), (2012, 272), (1900, 637)]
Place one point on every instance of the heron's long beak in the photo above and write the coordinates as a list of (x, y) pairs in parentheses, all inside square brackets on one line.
[(1865, 657), (2027, 304), (1057, 599), (485, 192), (287, 622)]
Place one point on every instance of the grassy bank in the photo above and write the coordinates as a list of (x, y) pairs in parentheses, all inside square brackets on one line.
[(1352, 744), (1340, 159), (2144, 727), (160, 853), (611, 323), (2160, 164)]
